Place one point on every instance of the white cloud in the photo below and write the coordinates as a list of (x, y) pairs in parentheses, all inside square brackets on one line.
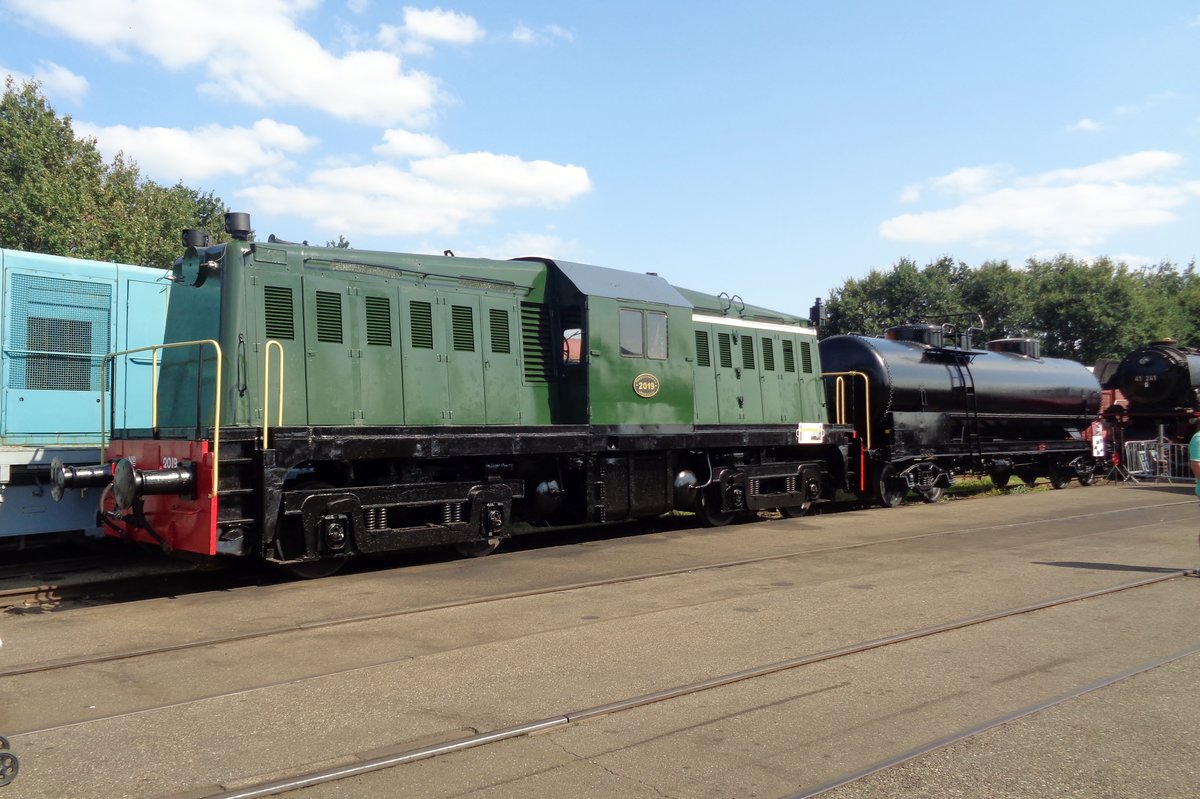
[(57, 81), (966, 180), (1085, 125), (436, 195), (523, 34), (422, 29), (521, 245), (1065, 208), (170, 154), (271, 60), (399, 144)]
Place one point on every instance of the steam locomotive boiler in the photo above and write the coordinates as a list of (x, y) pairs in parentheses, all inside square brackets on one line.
[(1161, 386), (925, 412)]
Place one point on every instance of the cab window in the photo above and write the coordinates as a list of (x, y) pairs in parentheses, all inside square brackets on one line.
[(643, 334)]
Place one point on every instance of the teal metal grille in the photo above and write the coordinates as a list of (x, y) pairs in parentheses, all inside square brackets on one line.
[(59, 330)]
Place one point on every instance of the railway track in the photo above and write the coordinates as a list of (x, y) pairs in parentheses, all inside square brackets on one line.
[(55, 665), (131, 702), (309, 779), (51, 582)]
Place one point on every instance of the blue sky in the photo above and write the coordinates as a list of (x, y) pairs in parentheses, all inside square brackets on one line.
[(767, 149)]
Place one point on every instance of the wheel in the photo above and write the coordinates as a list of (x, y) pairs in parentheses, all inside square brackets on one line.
[(889, 489), (1028, 478), (931, 494), (309, 569), (709, 509), (1088, 479), (796, 511), (1059, 478), (9, 766), (477, 549), (1000, 477)]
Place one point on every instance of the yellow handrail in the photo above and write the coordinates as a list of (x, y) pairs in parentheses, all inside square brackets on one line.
[(267, 389), (840, 398), (154, 350)]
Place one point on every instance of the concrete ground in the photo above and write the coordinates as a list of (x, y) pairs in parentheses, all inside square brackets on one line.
[(420, 667)]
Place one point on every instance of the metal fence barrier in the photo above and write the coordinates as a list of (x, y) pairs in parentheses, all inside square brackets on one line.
[(1157, 460)]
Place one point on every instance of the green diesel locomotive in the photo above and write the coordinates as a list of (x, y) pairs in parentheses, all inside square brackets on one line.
[(315, 403)]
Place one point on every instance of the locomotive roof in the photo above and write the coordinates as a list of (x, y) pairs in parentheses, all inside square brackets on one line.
[(600, 281)]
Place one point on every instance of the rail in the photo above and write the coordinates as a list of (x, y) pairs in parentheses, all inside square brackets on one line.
[(154, 351), (267, 390), (1156, 460), (839, 395)]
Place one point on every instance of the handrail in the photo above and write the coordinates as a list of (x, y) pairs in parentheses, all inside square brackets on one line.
[(154, 349), (267, 389), (840, 398)]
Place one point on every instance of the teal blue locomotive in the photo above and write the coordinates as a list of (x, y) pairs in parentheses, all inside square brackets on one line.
[(58, 318), (310, 404)]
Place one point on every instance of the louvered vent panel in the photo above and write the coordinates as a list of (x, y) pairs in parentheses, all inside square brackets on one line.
[(462, 321), (421, 314), (329, 317), (379, 321), (535, 343), (54, 315), (703, 356), (278, 314), (806, 357), (747, 352), (768, 354), (789, 357), (498, 321), (725, 350)]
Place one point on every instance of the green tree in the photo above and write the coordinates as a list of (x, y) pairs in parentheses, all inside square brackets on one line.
[(57, 195), (883, 299), (1088, 311)]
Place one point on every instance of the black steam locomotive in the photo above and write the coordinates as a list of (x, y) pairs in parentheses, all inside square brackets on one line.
[(1159, 387), (926, 411)]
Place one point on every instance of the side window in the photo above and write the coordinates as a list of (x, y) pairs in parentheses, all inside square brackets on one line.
[(631, 333), (572, 346), (643, 334), (656, 335)]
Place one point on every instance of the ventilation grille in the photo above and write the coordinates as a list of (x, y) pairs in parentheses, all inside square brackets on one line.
[(747, 352), (379, 321), (806, 357), (725, 350), (498, 323), (768, 354), (278, 315), (58, 332), (421, 319), (329, 317), (462, 322), (535, 343), (789, 357), (703, 356)]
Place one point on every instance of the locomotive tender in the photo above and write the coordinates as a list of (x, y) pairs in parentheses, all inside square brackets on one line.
[(315, 403), (926, 411), (58, 318)]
